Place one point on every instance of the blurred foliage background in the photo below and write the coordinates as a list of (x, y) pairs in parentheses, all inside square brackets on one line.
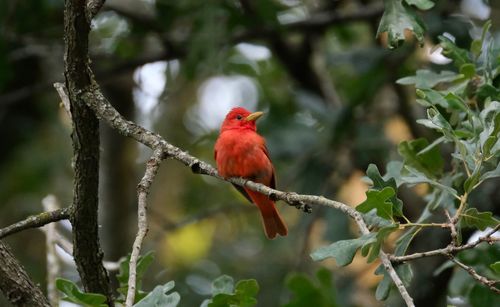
[(332, 106)]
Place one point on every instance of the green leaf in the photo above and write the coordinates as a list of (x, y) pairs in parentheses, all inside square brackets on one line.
[(159, 297), (491, 174), (438, 122), (477, 44), (490, 134), (223, 284), (307, 292), (417, 154), (455, 102), (393, 170), (384, 286), (468, 70), (404, 241), (225, 294), (374, 247), (443, 267), (303, 289), (74, 295), (248, 287), (143, 264), (470, 183), (416, 176), (426, 79), (435, 98), (480, 220), (379, 200), (421, 4), (481, 296), (458, 55), (396, 19), (342, 251), (488, 114), (495, 267), (440, 198), (486, 91), (379, 183), (404, 272)]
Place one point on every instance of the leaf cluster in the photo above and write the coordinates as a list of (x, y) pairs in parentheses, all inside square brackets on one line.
[(463, 109)]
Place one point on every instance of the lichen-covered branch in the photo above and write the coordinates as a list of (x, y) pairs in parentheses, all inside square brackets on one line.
[(19, 289), (142, 223), (35, 221)]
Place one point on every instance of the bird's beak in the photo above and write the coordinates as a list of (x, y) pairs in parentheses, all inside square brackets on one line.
[(254, 116)]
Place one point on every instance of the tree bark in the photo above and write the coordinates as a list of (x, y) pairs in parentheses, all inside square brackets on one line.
[(15, 283), (87, 251)]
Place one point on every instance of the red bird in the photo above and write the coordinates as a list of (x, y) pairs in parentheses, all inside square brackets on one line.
[(241, 152)]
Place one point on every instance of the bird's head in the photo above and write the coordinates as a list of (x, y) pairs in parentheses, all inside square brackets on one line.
[(240, 118)]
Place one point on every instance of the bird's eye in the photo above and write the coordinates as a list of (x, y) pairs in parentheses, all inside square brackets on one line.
[(238, 117)]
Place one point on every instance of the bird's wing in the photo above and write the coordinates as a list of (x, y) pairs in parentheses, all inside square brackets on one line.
[(272, 184)]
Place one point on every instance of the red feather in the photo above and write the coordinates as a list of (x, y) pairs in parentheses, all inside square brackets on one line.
[(241, 152)]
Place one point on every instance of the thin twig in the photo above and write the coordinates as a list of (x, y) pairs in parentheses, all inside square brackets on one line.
[(410, 224), (483, 280), (461, 207), (36, 221), (453, 229), (142, 223), (449, 250), (63, 94)]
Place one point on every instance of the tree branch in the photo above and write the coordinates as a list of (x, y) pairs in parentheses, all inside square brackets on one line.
[(16, 284), (104, 111), (93, 7), (449, 250), (87, 251), (35, 221), (142, 192), (483, 280)]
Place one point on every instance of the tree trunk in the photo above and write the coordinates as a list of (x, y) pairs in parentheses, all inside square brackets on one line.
[(15, 283)]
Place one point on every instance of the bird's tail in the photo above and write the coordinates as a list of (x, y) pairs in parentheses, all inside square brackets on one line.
[(273, 223)]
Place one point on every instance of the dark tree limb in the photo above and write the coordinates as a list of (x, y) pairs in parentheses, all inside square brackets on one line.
[(15, 283), (35, 221), (87, 251)]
